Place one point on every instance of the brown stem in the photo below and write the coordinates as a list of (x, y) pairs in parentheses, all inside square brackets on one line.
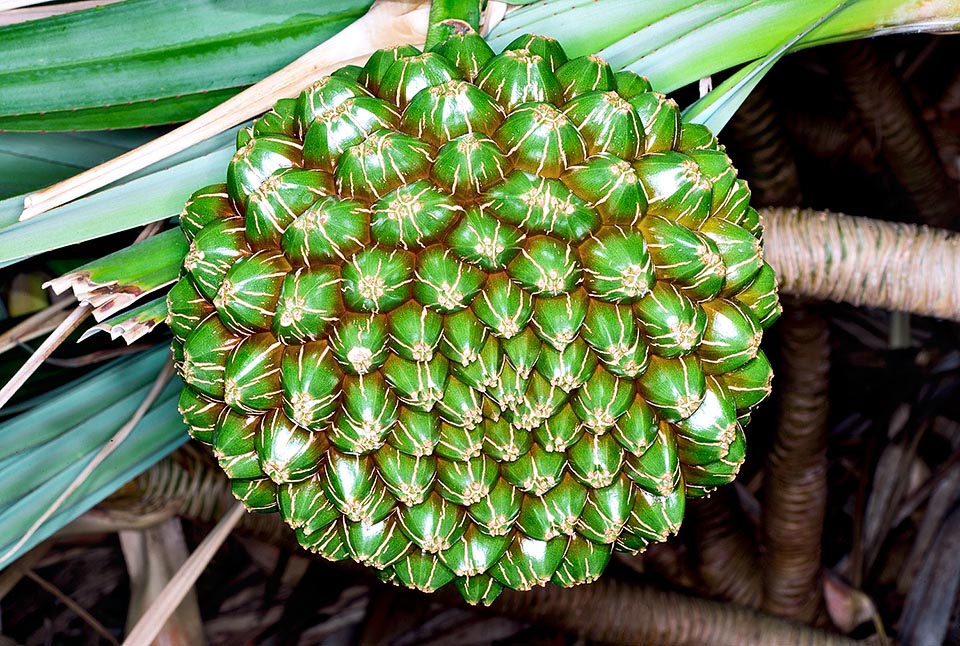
[(668, 561), (796, 483), (770, 167), (726, 554), (905, 143), (831, 138), (862, 261), (617, 613)]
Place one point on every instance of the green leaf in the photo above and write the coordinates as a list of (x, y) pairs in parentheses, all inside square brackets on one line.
[(159, 56), (156, 436), (50, 419), (696, 51), (57, 155), (718, 106), (129, 115), (20, 471), (156, 196), (29, 161), (676, 42), (868, 18), (116, 281), (47, 447), (584, 26), (143, 266)]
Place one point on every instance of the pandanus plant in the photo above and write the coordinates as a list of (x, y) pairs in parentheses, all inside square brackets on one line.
[(470, 300)]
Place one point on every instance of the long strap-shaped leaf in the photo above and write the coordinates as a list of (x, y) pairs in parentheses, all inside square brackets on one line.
[(676, 42), (144, 62), (684, 47), (20, 474), (716, 108), (128, 451), (133, 323), (71, 406), (19, 11), (29, 161), (32, 160), (159, 433), (154, 197), (388, 23)]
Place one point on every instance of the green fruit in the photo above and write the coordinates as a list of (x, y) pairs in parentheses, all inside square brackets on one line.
[(474, 318)]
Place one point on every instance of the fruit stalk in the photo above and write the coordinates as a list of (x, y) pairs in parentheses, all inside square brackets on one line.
[(449, 17)]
